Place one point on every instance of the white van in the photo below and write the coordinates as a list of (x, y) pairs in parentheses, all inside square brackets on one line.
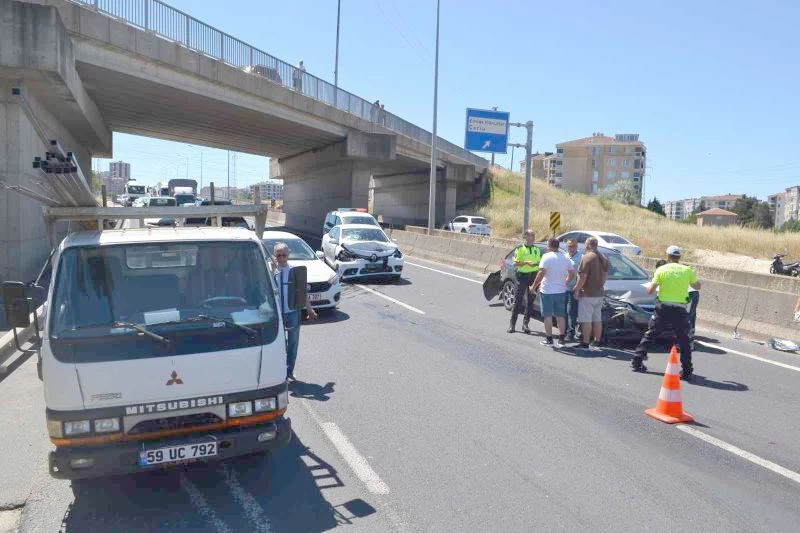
[(162, 346)]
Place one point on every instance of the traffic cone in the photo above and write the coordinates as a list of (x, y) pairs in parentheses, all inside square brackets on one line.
[(669, 407)]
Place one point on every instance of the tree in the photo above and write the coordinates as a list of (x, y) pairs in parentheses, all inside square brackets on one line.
[(655, 206), (95, 181), (753, 212), (762, 217), (792, 225), (623, 192)]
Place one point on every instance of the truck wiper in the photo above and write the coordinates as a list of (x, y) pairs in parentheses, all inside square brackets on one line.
[(248, 330), (142, 330)]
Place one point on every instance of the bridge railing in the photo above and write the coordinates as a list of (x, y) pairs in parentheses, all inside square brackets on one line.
[(175, 25)]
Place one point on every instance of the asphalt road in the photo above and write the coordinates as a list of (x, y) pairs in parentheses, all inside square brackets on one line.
[(415, 411)]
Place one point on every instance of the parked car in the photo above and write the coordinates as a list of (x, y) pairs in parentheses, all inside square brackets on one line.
[(604, 239), (473, 225), (361, 251), (324, 290), (227, 222), (348, 215), (625, 279)]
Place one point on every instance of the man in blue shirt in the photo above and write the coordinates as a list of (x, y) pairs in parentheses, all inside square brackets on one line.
[(291, 317), (572, 303)]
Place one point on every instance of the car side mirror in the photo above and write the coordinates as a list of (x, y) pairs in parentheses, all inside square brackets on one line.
[(17, 304), (320, 254), (298, 277), (333, 241)]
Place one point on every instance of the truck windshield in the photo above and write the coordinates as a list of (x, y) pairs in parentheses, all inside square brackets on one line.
[(135, 189), (165, 288), (181, 199)]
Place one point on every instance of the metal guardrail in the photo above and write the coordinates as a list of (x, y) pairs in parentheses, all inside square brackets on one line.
[(175, 25)]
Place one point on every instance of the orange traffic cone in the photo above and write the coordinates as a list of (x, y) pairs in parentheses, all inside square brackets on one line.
[(669, 407)]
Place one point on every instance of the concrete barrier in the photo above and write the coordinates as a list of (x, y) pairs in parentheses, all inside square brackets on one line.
[(757, 305)]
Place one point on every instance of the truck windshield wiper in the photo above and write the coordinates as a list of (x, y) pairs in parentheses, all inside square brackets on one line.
[(142, 330), (250, 331)]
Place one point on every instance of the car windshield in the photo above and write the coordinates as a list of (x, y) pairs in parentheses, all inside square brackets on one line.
[(364, 234), (165, 288), (162, 202), (298, 249), (136, 189), (613, 239), (479, 220), (181, 199), (364, 219), (621, 268)]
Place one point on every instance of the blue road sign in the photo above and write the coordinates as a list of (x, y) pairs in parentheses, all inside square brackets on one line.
[(486, 131)]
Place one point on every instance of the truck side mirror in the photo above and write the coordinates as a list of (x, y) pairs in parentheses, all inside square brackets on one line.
[(17, 304), (298, 277)]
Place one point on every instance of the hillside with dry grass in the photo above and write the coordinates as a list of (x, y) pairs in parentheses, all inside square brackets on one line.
[(652, 232)]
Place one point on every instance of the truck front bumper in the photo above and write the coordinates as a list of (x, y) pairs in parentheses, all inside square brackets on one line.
[(123, 458)]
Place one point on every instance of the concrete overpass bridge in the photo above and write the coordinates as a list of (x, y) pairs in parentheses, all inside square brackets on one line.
[(87, 68)]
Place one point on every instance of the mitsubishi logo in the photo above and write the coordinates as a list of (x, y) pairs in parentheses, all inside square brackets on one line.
[(174, 379), (373, 258)]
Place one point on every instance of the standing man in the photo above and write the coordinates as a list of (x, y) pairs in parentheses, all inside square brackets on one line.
[(572, 302), (590, 291), (672, 281), (526, 259), (291, 317), (298, 76), (555, 272)]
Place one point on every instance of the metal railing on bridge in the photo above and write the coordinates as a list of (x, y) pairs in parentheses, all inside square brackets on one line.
[(175, 25)]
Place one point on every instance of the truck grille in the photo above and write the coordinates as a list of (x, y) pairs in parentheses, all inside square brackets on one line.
[(174, 422)]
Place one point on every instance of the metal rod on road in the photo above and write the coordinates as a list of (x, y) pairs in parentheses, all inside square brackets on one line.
[(432, 196)]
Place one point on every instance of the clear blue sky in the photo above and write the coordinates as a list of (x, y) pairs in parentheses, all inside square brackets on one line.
[(712, 88)]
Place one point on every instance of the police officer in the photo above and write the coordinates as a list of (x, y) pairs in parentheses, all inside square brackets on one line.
[(526, 259), (672, 281)]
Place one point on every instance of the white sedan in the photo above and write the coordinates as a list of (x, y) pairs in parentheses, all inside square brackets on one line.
[(324, 290), (361, 251), (469, 224), (604, 238)]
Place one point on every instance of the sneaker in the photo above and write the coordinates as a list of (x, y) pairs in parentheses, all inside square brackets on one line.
[(510, 329), (583, 346), (595, 346), (547, 342), (557, 344), (639, 368), (569, 338), (525, 328), (686, 376)]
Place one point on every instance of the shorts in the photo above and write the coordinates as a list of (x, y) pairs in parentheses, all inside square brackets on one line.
[(590, 309), (554, 304)]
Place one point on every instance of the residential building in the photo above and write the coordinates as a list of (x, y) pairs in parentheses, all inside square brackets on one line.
[(681, 209), (716, 217), (114, 185), (785, 205), (725, 201), (594, 163), (120, 169), (270, 189)]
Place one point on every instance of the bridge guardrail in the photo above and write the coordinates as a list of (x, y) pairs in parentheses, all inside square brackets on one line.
[(175, 25)]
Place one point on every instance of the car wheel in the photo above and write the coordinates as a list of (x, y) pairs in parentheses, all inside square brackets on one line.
[(396, 278), (463, 230), (507, 294)]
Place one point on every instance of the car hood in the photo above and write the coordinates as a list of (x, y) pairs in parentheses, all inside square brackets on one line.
[(631, 291), (368, 248), (317, 271)]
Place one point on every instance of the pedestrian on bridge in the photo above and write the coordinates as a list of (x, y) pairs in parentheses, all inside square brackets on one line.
[(297, 76), (526, 259), (555, 273), (291, 317), (672, 282)]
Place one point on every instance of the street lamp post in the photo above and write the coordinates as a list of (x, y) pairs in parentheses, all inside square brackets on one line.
[(493, 109), (528, 148), (336, 62), (432, 195)]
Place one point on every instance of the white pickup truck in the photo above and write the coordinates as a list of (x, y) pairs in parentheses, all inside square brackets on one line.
[(160, 346)]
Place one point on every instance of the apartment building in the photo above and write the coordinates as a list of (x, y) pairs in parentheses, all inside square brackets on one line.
[(120, 170), (270, 189), (591, 164), (785, 205), (681, 209)]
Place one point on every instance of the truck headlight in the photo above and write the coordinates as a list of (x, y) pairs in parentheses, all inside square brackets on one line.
[(106, 425), (77, 427), (55, 429), (240, 409), (266, 404)]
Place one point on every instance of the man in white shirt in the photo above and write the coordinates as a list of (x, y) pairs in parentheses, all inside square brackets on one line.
[(291, 317), (555, 273)]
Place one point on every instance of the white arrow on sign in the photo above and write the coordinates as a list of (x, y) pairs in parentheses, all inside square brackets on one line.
[(487, 144)]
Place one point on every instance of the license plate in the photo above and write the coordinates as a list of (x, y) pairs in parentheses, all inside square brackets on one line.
[(174, 454), (314, 297)]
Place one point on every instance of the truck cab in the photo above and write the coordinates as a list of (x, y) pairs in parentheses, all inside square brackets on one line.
[(133, 191), (160, 347)]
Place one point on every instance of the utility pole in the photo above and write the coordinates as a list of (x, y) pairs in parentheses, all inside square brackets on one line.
[(528, 148), (229, 172), (512, 157), (493, 109), (201, 171), (336, 63), (432, 195)]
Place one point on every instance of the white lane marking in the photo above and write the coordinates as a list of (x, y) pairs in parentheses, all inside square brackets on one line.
[(203, 507), (255, 513), (445, 273), (355, 460), (398, 302), (755, 459), (751, 356)]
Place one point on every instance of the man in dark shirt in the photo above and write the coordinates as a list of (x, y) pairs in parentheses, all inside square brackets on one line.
[(590, 291)]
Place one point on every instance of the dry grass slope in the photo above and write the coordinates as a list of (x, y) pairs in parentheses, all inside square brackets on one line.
[(652, 232)]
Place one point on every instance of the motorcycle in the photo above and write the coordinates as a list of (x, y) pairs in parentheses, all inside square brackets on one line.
[(784, 269)]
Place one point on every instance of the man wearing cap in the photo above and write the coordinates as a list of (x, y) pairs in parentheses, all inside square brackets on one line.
[(526, 259), (672, 281)]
